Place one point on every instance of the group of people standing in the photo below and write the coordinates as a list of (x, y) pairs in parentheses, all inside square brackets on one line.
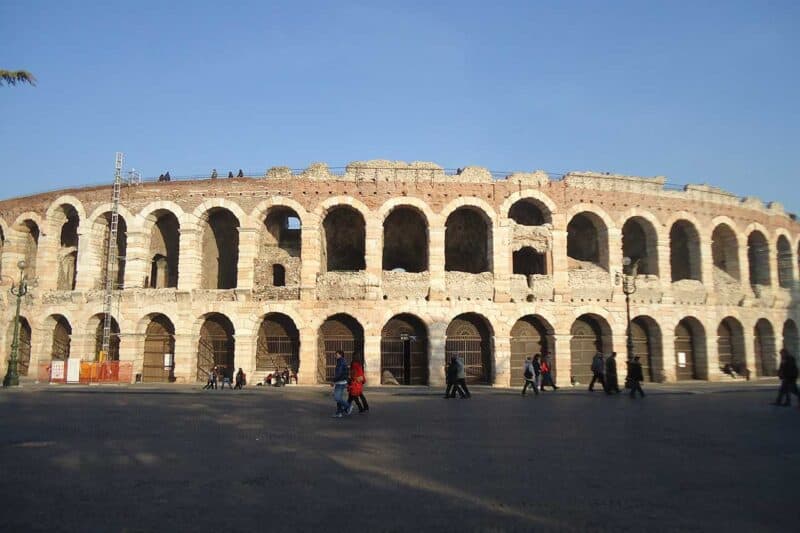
[(352, 381), (604, 370), (537, 374), (221, 375)]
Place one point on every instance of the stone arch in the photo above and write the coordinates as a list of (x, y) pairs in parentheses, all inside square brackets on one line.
[(163, 248), (279, 248), (338, 332), (278, 344), (24, 344), (425, 210), (158, 361), (344, 231), (29, 243), (785, 262), (61, 337), (684, 251), (730, 345), (591, 333), (95, 324), (220, 248), (758, 258), (587, 241), (216, 346), (544, 202), (469, 336), (640, 243), (766, 353), (479, 206), (99, 244), (647, 344), (405, 240), (261, 211), (404, 351), (725, 252), (690, 348), (468, 241), (64, 220), (530, 211), (531, 334), (791, 339)]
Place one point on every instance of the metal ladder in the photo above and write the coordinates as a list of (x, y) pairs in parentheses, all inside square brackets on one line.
[(111, 255)]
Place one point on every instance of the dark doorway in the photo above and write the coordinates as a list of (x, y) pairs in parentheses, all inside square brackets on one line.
[(338, 332), (686, 338), (469, 337), (159, 351), (278, 344), (404, 351), (587, 339), (215, 347), (530, 335), (62, 334)]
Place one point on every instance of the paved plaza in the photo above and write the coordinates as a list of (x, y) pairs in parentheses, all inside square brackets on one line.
[(702, 458)]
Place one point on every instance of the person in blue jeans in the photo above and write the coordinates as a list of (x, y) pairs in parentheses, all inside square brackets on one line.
[(340, 386)]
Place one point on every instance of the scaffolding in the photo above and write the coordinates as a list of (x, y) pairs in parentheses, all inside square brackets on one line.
[(111, 258)]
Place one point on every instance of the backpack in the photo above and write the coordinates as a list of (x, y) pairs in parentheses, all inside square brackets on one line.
[(528, 374)]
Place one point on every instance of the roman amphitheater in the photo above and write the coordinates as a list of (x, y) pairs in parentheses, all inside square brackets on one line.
[(405, 264)]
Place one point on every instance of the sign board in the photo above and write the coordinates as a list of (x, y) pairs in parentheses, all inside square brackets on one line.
[(168, 360), (57, 370), (682, 359), (73, 371)]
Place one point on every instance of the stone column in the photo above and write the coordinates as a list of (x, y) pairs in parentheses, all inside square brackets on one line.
[(708, 368), (190, 268), (436, 345), (373, 257), (185, 357), (563, 359), (749, 340), (245, 355), (502, 361), (372, 359), (310, 256), (614, 251), (307, 373), (47, 261), (560, 263), (131, 351), (90, 261), (502, 261), (665, 270), (248, 250), (438, 283), (668, 357), (707, 268), (137, 262)]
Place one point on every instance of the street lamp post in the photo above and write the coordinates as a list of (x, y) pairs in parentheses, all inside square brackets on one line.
[(628, 277), (19, 290)]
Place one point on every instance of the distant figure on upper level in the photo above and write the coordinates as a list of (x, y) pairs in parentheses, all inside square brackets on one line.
[(240, 174), (213, 173)]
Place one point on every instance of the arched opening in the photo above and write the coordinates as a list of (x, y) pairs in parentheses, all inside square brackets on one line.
[(765, 352), (587, 241), (280, 246), (646, 337), (758, 257), (30, 245), (220, 258), (468, 241), (159, 351), (785, 263), (67, 217), (278, 276), (405, 240), (639, 243), (688, 341), (590, 334), (725, 251), (684, 251), (338, 332), (529, 212), (730, 345), (118, 249), (24, 344), (530, 335), (62, 334), (791, 341), (113, 344), (164, 250), (215, 347), (470, 337), (404, 351), (278, 344), (527, 261), (344, 233)]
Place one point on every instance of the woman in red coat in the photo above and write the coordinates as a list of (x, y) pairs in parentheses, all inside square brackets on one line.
[(356, 386)]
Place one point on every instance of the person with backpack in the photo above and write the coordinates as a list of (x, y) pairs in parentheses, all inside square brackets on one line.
[(787, 372), (598, 371), (531, 376)]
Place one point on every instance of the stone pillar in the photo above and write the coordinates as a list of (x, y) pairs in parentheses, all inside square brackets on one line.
[(749, 340), (137, 262), (90, 261), (185, 357), (502, 361), (665, 269), (245, 355), (563, 359), (668, 357), (190, 265), (436, 345), (707, 267), (372, 359), (81, 348), (708, 368), (310, 256), (47, 266), (307, 373), (560, 264), (248, 250), (438, 282), (614, 251), (502, 262), (131, 350), (373, 257)]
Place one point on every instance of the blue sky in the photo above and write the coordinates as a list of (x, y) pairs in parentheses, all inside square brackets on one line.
[(701, 92)]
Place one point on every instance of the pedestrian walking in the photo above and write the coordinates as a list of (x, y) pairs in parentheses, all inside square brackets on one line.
[(530, 375), (547, 374), (612, 382), (356, 387), (598, 371), (787, 372), (211, 383), (461, 377), (451, 377), (635, 377), (241, 379), (226, 378), (340, 385)]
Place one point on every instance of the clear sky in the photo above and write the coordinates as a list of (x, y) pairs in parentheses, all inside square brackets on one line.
[(698, 91)]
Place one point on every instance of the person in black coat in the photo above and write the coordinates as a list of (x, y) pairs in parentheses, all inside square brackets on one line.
[(787, 372), (612, 382), (635, 377), (451, 374)]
